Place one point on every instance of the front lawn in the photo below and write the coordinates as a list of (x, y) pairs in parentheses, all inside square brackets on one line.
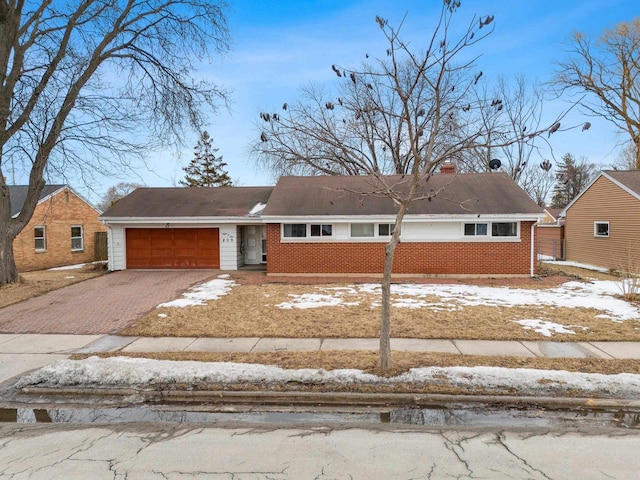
[(555, 308)]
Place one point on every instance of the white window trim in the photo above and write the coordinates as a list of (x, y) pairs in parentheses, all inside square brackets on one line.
[(81, 237), (44, 238), (308, 237), (489, 236), (595, 229)]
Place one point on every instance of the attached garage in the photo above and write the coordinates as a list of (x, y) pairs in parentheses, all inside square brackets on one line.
[(183, 228), (173, 248)]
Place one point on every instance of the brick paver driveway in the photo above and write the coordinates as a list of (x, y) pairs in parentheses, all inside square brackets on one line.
[(104, 304)]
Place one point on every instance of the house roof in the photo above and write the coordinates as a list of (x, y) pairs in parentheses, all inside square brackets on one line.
[(190, 202), (18, 195), (554, 212), (460, 194)]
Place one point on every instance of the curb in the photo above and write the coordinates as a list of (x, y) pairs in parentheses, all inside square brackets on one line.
[(217, 398)]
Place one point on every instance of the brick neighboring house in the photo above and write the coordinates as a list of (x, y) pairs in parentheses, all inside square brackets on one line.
[(479, 224), (61, 231), (602, 224)]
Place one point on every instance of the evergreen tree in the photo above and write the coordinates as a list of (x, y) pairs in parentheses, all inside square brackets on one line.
[(572, 177), (206, 169)]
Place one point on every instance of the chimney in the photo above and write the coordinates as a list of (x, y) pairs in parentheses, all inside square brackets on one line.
[(448, 168)]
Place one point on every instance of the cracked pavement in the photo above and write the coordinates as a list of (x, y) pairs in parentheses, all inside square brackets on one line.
[(235, 452)]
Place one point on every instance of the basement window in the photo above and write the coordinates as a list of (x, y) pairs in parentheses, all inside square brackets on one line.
[(601, 229), (40, 239)]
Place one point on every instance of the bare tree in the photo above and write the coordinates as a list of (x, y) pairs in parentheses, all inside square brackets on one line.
[(626, 159), (396, 114), (115, 193), (89, 84), (607, 71), (512, 110)]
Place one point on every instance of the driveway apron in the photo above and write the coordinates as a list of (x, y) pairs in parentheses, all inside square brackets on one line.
[(105, 304)]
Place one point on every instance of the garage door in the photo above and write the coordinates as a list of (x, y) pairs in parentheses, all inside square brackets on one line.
[(173, 248)]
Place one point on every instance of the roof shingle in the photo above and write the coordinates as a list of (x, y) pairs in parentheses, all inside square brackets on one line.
[(461, 194), (189, 202), (18, 195)]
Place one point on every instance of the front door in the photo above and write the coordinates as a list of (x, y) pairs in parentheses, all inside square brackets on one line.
[(253, 245)]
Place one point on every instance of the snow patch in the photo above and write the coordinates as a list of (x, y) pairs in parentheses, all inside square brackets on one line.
[(68, 267), (136, 371), (199, 294), (257, 209), (598, 295), (546, 328)]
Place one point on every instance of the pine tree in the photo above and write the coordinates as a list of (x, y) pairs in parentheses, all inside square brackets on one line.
[(572, 177), (206, 169)]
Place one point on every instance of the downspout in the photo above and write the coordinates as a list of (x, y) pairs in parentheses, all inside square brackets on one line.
[(533, 247)]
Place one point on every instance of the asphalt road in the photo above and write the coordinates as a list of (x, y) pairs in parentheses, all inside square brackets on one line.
[(147, 451)]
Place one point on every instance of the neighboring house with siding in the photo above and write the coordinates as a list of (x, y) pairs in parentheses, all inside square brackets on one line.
[(602, 224), (478, 224), (60, 232)]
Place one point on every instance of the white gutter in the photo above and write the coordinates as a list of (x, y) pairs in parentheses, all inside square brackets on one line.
[(533, 247)]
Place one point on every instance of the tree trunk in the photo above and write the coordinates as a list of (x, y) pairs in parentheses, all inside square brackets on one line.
[(8, 270), (385, 315), (385, 318)]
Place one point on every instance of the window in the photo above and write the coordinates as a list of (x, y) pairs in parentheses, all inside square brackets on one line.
[(600, 229), (303, 230), (318, 230), (76, 238), (362, 229), (504, 229), (295, 230), (386, 229), (475, 229), (40, 239)]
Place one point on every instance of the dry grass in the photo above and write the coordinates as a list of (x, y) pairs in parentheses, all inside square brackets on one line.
[(250, 310), (402, 361), (36, 283)]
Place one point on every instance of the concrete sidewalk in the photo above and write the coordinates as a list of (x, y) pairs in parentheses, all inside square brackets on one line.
[(69, 344), (20, 353)]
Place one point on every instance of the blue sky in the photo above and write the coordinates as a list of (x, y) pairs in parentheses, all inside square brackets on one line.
[(278, 47)]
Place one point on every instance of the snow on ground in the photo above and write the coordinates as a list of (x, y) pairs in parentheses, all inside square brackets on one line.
[(578, 265), (121, 371), (546, 328), (200, 293), (598, 295), (69, 267), (75, 267)]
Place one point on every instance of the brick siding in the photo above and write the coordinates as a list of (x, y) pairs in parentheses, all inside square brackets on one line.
[(412, 258), (57, 215)]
